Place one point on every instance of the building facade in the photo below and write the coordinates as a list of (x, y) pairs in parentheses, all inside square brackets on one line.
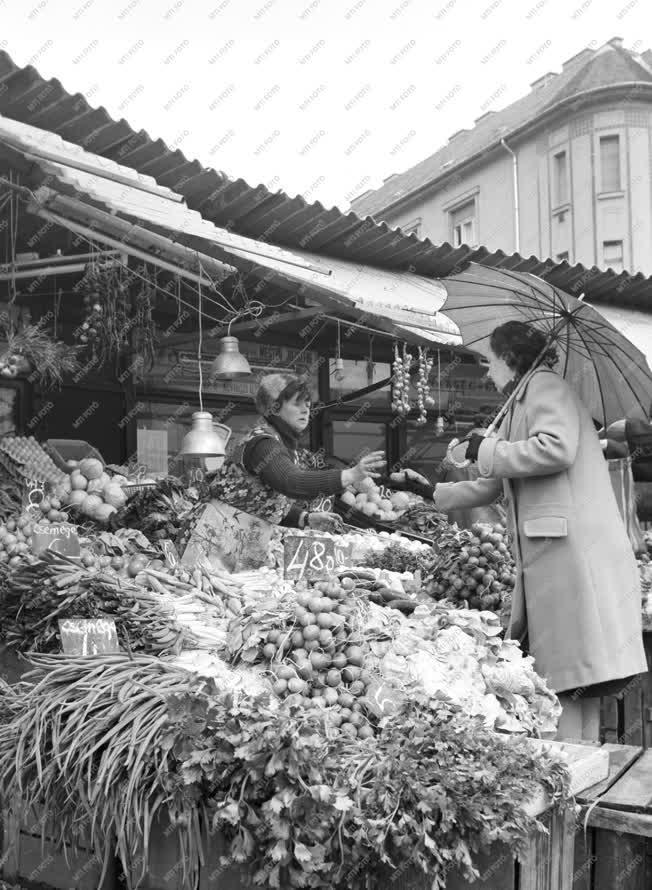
[(565, 172)]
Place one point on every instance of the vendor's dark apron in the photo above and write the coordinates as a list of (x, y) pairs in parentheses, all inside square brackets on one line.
[(270, 504)]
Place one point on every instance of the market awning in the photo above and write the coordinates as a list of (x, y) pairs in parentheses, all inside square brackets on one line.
[(83, 190)]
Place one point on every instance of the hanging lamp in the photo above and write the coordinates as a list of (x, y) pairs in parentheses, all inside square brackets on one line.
[(230, 364), (203, 440)]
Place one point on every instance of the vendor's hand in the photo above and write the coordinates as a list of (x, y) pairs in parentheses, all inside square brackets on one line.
[(473, 446), (365, 469), (325, 522), (410, 480)]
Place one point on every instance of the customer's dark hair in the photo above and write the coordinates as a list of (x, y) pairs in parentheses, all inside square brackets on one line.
[(519, 345)]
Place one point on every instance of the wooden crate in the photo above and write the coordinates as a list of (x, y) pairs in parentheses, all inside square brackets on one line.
[(28, 855)]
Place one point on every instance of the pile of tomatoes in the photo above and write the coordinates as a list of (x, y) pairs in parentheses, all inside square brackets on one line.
[(315, 661)]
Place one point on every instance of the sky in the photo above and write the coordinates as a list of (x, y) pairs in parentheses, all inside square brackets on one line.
[(324, 98)]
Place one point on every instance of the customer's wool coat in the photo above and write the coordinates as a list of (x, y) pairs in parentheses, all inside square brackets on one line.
[(577, 599)]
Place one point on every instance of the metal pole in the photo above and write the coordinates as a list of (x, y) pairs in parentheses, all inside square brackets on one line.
[(94, 235)]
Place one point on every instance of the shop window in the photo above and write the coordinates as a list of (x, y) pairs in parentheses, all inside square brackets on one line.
[(560, 178), (160, 429), (463, 224), (610, 180), (424, 451), (357, 375), (355, 436), (612, 255)]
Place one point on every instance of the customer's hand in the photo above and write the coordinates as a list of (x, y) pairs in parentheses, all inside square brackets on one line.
[(325, 522), (410, 480), (365, 469), (474, 442)]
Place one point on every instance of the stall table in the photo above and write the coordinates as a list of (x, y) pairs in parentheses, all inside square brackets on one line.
[(616, 848), (627, 719)]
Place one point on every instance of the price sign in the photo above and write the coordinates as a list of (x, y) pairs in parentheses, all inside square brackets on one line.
[(88, 636), (313, 557), (170, 552), (60, 537)]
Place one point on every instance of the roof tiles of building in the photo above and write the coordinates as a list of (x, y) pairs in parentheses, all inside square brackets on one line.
[(607, 67)]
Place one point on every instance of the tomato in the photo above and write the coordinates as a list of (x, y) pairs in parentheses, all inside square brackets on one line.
[(117, 563), (347, 583), (137, 564), (269, 651)]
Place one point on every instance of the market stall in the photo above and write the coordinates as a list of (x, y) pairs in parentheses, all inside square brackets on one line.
[(261, 705)]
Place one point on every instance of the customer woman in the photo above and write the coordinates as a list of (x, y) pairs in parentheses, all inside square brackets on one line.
[(294, 482), (577, 603)]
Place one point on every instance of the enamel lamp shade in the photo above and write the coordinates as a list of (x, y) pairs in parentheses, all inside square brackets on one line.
[(202, 440), (230, 364)]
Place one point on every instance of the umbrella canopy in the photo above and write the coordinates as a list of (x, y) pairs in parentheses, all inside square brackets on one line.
[(609, 373)]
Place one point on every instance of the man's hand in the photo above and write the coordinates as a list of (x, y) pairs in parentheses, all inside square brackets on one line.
[(325, 522)]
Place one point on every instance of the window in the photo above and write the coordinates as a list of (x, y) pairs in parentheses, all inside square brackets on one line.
[(612, 254), (463, 224), (560, 179), (562, 256), (610, 164)]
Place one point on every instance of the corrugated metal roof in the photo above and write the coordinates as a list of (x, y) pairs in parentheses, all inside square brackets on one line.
[(76, 181), (608, 66), (258, 213)]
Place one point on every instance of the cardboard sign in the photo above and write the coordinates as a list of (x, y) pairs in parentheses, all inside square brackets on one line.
[(170, 553), (311, 557), (60, 537), (88, 636)]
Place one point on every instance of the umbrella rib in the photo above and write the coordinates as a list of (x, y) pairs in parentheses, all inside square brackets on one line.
[(595, 368), (633, 391), (609, 341)]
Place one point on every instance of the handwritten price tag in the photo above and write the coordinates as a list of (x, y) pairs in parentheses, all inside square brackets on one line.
[(61, 538), (311, 557)]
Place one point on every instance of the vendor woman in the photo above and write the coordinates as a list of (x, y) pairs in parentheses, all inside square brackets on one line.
[(275, 464)]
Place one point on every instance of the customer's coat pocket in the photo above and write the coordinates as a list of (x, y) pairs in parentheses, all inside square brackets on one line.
[(546, 527)]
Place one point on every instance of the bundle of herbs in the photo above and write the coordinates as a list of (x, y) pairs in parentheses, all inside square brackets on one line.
[(31, 346), (107, 744), (36, 593), (159, 511), (91, 748)]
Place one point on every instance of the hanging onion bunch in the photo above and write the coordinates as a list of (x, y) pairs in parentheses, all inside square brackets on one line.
[(401, 381), (424, 399)]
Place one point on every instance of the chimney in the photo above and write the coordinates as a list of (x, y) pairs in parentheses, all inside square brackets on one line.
[(483, 116), (581, 56), (457, 133), (616, 41), (543, 81)]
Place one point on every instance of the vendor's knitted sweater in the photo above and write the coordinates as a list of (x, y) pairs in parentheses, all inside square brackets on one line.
[(272, 461)]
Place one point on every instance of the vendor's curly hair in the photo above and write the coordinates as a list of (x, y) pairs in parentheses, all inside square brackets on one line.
[(519, 345)]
